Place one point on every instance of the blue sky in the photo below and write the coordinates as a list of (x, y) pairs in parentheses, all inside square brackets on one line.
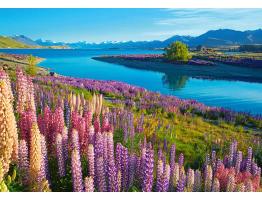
[(96, 25)]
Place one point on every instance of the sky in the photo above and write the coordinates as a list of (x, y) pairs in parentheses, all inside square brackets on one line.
[(97, 25)]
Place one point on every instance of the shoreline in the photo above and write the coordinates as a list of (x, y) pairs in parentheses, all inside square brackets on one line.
[(211, 72)]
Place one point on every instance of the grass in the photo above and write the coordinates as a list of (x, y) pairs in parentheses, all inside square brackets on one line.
[(6, 42)]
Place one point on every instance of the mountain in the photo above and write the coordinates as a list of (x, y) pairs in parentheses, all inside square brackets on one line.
[(7, 42), (25, 40), (212, 38), (224, 37)]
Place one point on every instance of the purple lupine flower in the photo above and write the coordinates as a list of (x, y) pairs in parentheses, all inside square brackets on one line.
[(172, 163), (254, 168), (131, 125), (142, 164), (89, 184), (190, 180), (118, 156), (112, 174), (60, 155), (197, 181), (101, 182), (159, 172), (124, 167), (164, 184), (44, 160), (181, 183), (75, 140), (216, 186), (76, 171), (238, 161), (65, 143), (131, 169), (99, 145), (91, 160), (67, 113), (148, 171), (105, 155), (181, 160), (23, 161), (249, 159), (91, 135)]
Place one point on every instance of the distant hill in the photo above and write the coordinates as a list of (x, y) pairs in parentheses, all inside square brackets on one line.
[(212, 38), (7, 42), (25, 40)]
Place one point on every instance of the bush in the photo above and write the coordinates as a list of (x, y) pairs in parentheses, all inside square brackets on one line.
[(177, 51), (31, 69)]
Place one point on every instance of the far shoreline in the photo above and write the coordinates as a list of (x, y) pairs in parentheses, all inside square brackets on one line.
[(211, 72)]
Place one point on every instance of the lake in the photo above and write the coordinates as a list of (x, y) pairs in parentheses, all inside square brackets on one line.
[(235, 95)]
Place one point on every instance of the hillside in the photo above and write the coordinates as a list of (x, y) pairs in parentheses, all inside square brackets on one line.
[(6, 42)]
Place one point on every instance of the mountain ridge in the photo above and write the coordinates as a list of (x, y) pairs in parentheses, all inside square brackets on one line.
[(211, 38)]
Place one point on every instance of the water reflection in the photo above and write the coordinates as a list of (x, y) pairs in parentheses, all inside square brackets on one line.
[(174, 81)]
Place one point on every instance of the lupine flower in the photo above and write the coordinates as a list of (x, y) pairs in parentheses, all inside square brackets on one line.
[(8, 130), (101, 183), (181, 183), (208, 178), (91, 135), (160, 170), (91, 160), (240, 188), (76, 171), (249, 186), (249, 159), (112, 174), (181, 160), (60, 155), (238, 161), (176, 175), (23, 160), (164, 184), (75, 140), (197, 181), (216, 185), (89, 184), (132, 166), (124, 167), (230, 183), (190, 180), (44, 162), (148, 171), (172, 163), (35, 155), (65, 143)]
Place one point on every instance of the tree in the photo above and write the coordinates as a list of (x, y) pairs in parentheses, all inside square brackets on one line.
[(31, 69), (177, 51)]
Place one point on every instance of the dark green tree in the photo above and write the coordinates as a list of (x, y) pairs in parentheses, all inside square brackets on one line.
[(177, 51)]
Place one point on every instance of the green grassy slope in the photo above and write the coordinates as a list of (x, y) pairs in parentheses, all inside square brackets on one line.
[(6, 42)]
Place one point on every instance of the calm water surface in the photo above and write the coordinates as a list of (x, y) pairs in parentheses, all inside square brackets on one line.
[(236, 95)]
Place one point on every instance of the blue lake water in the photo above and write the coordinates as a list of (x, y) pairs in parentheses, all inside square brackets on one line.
[(236, 95)]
